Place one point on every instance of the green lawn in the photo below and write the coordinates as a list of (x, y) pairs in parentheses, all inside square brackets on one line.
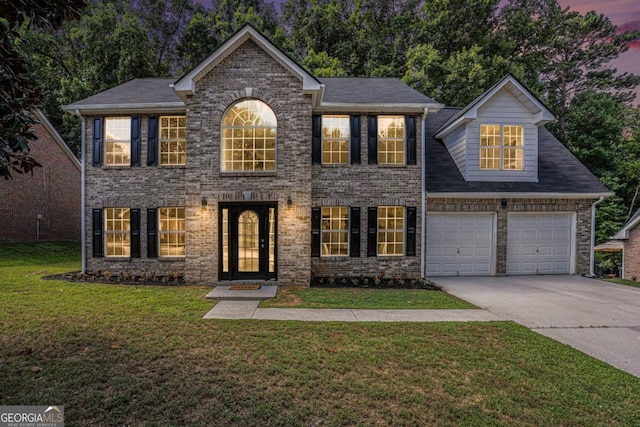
[(136, 355), (364, 298), (623, 282)]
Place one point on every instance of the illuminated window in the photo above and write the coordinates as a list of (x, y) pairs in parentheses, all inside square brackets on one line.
[(173, 140), (335, 139), (335, 231), (249, 137), (117, 226), (391, 140), (390, 230), (501, 147), (118, 141), (172, 232)]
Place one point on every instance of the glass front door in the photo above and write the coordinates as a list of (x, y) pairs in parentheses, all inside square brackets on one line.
[(247, 241)]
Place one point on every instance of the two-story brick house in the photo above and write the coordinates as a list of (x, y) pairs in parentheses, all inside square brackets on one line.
[(250, 168)]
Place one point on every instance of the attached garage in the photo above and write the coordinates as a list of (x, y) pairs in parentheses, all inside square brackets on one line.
[(461, 244), (541, 243)]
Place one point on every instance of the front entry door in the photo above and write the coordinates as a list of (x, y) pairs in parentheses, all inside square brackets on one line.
[(248, 242)]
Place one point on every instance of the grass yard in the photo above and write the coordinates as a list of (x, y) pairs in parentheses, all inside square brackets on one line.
[(142, 355), (626, 282), (364, 298)]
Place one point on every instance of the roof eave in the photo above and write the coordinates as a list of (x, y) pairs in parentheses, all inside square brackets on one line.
[(516, 195), (159, 107), (413, 107)]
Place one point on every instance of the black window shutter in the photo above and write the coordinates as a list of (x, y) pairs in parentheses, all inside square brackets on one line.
[(315, 232), (355, 140), (96, 159), (97, 233), (372, 231), (316, 139), (411, 231), (135, 141), (412, 150), (152, 233), (152, 142), (135, 233), (354, 232), (372, 139)]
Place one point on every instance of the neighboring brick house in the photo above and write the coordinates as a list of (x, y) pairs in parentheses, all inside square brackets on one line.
[(250, 168), (45, 205), (629, 237)]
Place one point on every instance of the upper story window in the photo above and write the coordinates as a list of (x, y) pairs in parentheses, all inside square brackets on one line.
[(501, 147), (335, 139), (335, 231), (391, 140), (173, 140), (117, 227), (117, 131), (390, 230), (249, 137)]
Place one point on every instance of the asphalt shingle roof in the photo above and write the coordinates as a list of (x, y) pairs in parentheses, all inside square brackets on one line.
[(370, 90), (137, 91), (558, 170)]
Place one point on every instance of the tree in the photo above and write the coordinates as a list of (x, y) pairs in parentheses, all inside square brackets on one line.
[(565, 53), (18, 92)]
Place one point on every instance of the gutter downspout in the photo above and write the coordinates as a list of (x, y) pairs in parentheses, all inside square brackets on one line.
[(592, 266), (83, 228), (423, 196)]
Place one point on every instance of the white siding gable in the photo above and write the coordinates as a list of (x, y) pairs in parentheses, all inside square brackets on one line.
[(456, 144)]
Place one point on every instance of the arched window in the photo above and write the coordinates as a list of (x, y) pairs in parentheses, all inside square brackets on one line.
[(249, 137)]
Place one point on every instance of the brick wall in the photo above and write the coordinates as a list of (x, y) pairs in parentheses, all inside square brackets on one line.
[(365, 186), (581, 207), (632, 255), (52, 194)]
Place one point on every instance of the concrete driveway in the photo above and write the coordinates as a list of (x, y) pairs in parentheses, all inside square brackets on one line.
[(598, 318)]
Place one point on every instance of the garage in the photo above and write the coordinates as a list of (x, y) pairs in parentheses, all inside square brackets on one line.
[(460, 244), (540, 243)]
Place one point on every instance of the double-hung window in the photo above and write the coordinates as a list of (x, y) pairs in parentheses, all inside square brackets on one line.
[(501, 147), (335, 231), (335, 139), (391, 141), (172, 232), (117, 141), (173, 140), (117, 226), (390, 230)]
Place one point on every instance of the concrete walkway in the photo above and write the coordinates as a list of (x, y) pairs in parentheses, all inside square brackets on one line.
[(230, 309)]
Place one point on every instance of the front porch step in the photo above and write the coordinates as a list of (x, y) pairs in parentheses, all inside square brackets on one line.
[(222, 292)]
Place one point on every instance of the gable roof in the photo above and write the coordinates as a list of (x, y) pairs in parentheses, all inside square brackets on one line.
[(559, 172), (134, 95), (57, 138), (391, 92), (186, 84), (517, 89), (623, 233)]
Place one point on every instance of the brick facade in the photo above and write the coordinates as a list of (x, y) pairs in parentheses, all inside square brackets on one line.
[(45, 205), (581, 207), (632, 255)]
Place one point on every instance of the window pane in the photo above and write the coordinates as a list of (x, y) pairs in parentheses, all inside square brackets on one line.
[(391, 140), (173, 140), (117, 135), (172, 231), (335, 231), (501, 147), (249, 137), (390, 230), (335, 139), (117, 232)]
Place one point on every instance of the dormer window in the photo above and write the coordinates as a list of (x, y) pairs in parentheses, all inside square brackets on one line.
[(501, 147)]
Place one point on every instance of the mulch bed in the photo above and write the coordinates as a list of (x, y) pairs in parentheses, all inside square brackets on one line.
[(119, 279)]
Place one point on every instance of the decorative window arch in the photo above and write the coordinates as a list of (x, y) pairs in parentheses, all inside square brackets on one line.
[(249, 137)]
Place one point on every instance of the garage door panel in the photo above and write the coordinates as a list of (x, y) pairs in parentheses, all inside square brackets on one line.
[(539, 243), (460, 244)]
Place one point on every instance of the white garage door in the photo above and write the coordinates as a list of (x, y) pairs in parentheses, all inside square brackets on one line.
[(460, 245), (540, 243)]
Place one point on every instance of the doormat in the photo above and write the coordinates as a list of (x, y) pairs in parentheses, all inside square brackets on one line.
[(244, 287)]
